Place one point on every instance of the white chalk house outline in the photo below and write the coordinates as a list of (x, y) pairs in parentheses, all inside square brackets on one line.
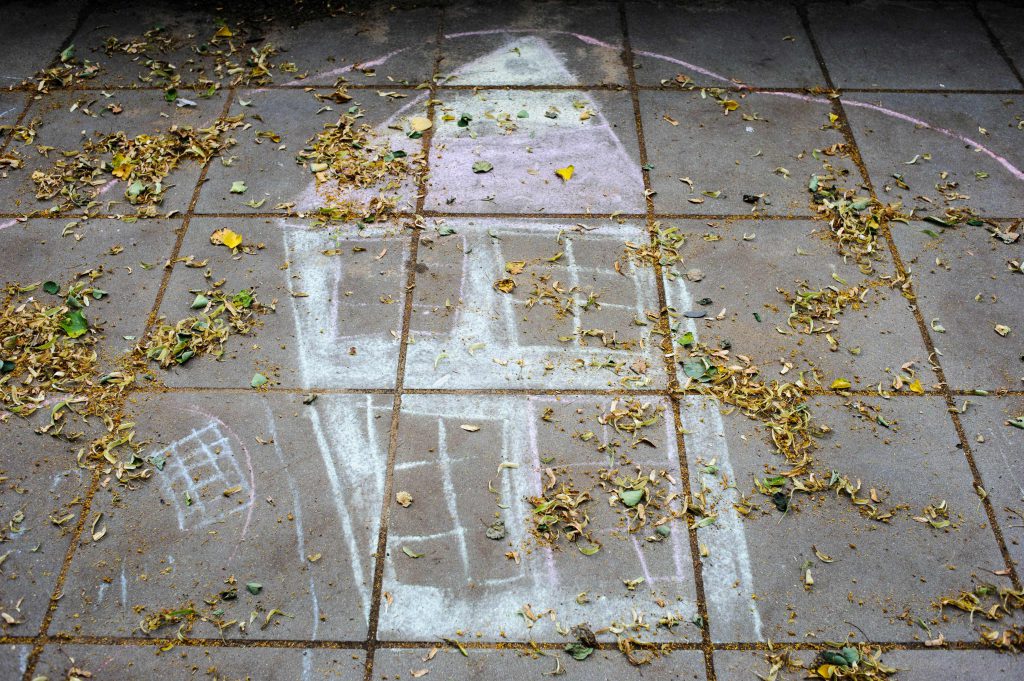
[(471, 600), (490, 339), (356, 479)]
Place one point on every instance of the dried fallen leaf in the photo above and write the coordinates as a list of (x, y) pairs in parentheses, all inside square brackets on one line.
[(226, 237)]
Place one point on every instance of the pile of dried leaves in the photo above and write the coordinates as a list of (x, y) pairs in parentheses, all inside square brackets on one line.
[(348, 155), (817, 311), (49, 360), (992, 603), (858, 662), (781, 406), (205, 333), (69, 71), (143, 162)]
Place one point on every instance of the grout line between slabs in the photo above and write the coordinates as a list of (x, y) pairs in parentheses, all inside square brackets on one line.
[(380, 556), (666, 347), (933, 354), (399, 215)]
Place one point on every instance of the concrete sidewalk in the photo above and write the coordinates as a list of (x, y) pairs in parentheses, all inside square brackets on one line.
[(435, 478)]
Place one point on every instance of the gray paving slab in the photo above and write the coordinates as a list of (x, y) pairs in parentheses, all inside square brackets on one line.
[(467, 576), (269, 168), (884, 577), (578, 43), (913, 665), (394, 43), (514, 132), (972, 140), (150, 62), (147, 662), (338, 320), (757, 43), (964, 285), (930, 45), (297, 514), (13, 660), (873, 339), (494, 665), (571, 321), (996, 446), (33, 34), (1006, 20), (691, 136), (131, 276), (42, 484), (144, 112)]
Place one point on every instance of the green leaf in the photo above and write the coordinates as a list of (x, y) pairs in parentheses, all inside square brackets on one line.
[(1017, 422), (523, 114), (170, 94), (687, 339), (938, 221), (254, 588), (74, 324), (243, 299), (51, 287), (200, 302), (464, 120), (578, 650), (482, 167), (631, 497), (238, 187), (589, 550), (6, 366), (258, 380)]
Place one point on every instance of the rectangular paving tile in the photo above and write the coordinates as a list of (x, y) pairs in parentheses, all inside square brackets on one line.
[(139, 662), (524, 137), (33, 34), (368, 44), (924, 41), (913, 665), (873, 338), (571, 320), (885, 576), (758, 43), (1005, 20), (464, 480), (956, 151), (179, 45), (43, 486), (694, 137), (44, 255), (144, 112), (996, 446), (526, 43), (495, 665), (964, 286), (254, 489), (339, 315), (269, 168)]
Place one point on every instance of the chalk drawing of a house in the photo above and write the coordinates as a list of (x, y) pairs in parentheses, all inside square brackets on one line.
[(608, 179)]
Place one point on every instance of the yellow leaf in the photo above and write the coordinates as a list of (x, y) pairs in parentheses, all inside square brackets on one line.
[(419, 123), (840, 384), (122, 171), (730, 104), (565, 173), (223, 32), (916, 387), (226, 237)]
